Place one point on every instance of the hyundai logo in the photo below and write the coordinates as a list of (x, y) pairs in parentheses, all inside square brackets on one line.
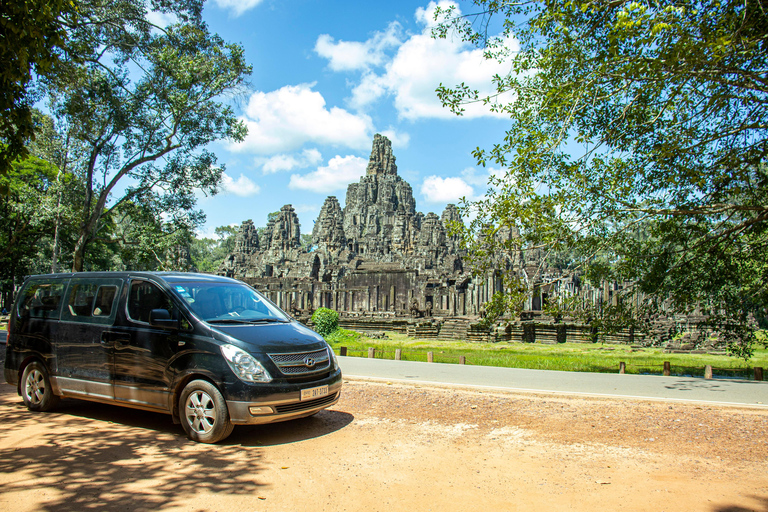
[(309, 362)]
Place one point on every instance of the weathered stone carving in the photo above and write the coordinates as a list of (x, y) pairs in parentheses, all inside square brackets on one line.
[(247, 241), (328, 233)]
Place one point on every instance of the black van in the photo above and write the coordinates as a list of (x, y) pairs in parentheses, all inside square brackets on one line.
[(211, 351)]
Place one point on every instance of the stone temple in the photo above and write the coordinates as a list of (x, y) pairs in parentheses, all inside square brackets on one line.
[(375, 255), (383, 265)]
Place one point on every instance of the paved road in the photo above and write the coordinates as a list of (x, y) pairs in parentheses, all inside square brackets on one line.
[(683, 389), (514, 379)]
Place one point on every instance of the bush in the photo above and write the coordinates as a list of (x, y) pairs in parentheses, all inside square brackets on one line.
[(326, 321), (340, 336)]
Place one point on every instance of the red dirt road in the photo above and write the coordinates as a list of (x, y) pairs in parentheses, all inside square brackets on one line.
[(391, 447)]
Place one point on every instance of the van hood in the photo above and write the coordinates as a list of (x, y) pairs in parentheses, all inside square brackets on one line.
[(276, 337)]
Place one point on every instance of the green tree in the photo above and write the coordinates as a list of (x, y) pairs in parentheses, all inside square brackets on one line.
[(207, 254), (637, 138), (27, 213), (33, 41), (227, 235), (140, 106), (202, 252), (137, 238)]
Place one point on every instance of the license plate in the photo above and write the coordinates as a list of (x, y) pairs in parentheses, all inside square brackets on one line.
[(309, 394)]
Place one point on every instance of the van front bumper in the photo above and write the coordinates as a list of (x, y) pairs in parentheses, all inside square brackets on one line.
[(288, 407)]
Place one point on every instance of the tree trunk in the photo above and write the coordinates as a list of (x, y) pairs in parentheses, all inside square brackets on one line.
[(55, 256), (78, 258)]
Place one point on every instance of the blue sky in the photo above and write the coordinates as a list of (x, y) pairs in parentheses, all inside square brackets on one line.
[(327, 76)]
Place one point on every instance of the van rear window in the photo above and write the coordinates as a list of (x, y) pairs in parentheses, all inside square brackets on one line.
[(41, 300)]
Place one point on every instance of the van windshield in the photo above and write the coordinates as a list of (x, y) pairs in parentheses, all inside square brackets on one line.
[(227, 303)]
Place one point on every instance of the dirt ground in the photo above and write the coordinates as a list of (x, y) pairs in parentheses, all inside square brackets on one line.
[(394, 447)]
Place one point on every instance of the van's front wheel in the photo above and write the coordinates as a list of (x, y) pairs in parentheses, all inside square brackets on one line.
[(203, 412), (36, 390)]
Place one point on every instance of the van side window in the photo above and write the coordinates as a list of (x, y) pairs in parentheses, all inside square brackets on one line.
[(105, 300), (92, 302), (144, 297), (81, 299), (41, 300)]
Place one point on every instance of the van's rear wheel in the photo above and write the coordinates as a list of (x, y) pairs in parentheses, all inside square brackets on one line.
[(203, 412), (36, 390)]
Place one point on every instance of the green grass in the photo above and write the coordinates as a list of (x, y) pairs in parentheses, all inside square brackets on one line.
[(575, 357)]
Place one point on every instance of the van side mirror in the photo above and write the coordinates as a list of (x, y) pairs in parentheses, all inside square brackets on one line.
[(162, 318)]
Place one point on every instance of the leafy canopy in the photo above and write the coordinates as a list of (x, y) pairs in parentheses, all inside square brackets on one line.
[(636, 147), (33, 42), (139, 106)]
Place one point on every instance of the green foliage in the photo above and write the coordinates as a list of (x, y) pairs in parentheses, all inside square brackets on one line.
[(226, 236), (510, 301), (207, 254), (341, 336), (326, 321), (203, 254), (33, 39), (306, 241), (137, 105), (41, 211), (26, 216), (635, 152)]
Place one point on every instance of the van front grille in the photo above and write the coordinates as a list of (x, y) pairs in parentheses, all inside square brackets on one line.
[(302, 363)]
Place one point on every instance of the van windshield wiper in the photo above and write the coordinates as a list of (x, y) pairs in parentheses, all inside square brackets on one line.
[(245, 321)]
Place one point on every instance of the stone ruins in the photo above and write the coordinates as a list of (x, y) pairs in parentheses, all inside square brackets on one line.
[(384, 266)]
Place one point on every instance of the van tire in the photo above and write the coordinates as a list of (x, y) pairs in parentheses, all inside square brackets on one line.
[(36, 390), (203, 412)]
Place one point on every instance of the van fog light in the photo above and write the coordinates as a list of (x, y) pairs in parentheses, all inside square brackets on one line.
[(261, 410)]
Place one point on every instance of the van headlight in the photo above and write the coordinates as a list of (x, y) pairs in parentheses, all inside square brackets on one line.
[(244, 365), (333, 358)]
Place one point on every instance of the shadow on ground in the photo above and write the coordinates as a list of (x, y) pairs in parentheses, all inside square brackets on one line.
[(763, 506), (89, 456), (323, 423), (710, 385)]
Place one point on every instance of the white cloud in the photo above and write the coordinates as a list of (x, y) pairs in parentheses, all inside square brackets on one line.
[(161, 19), (284, 162), (445, 190), (294, 115), (418, 66), (306, 208), (480, 178), (353, 55), (340, 172), (371, 88), (207, 233), (399, 140), (242, 186), (237, 7)]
